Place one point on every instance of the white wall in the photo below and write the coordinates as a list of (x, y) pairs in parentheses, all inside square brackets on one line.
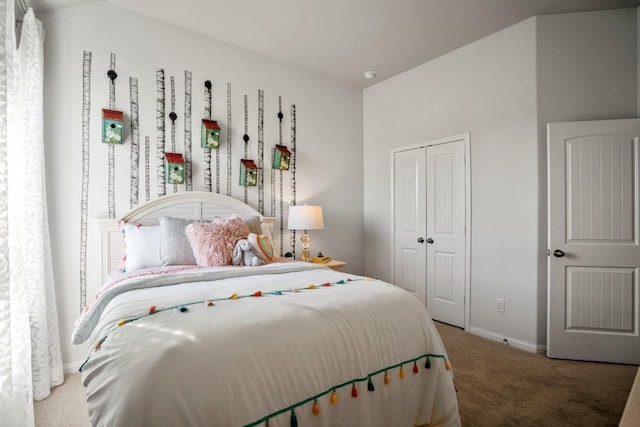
[(503, 90), (587, 70), (329, 131), (487, 89)]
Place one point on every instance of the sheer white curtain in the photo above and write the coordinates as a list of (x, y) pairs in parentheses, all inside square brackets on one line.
[(30, 361)]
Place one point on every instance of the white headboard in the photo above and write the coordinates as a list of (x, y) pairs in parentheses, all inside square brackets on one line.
[(199, 205)]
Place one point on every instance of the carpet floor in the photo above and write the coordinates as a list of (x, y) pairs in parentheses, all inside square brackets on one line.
[(498, 385)]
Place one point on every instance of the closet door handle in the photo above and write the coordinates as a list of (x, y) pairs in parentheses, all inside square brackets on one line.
[(429, 240), (420, 240)]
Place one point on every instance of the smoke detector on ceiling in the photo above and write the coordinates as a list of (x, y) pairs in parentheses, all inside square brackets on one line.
[(369, 75)]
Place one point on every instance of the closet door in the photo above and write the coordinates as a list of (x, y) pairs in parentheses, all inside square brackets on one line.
[(409, 209), (446, 240)]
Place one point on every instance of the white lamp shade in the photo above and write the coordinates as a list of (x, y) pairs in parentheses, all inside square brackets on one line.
[(305, 218)]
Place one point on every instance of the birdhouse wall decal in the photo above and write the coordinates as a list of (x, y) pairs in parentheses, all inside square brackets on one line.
[(210, 135), (174, 168), (281, 157), (112, 126), (248, 173)]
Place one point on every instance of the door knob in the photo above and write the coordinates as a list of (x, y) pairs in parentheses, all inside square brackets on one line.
[(558, 253), (420, 240), (430, 240)]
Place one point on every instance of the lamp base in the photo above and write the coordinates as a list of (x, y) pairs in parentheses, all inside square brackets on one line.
[(306, 241)]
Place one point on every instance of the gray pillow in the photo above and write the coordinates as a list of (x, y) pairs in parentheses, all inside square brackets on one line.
[(174, 244), (254, 224)]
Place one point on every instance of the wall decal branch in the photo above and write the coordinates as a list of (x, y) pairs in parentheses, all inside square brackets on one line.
[(173, 116), (245, 138), (228, 139), (292, 168), (160, 132), (135, 143), (84, 198), (280, 117), (187, 132), (147, 185), (111, 147), (261, 151), (207, 151)]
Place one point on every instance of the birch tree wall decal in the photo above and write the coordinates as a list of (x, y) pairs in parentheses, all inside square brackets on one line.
[(84, 198), (229, 139), (135, 143), (160, 132), (245, 138), (147, 185), (207, 151), (273, 170), (217, 168), (261, 151), (173, 116), (111, 147), (187, 131), (280, 117), (292, 168)]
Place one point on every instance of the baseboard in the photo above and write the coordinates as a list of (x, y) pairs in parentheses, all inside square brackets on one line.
[(71, 368), (522, 345)]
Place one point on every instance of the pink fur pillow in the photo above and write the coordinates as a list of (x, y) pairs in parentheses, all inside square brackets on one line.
[(213, 242)]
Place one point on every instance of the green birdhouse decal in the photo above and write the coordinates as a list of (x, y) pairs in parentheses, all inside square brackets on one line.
[(174, 168), (281, 157), (112, 126), (248, 173), (210, 135)]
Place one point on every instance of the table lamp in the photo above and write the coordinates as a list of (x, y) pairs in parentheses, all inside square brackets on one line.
[(305, 218)]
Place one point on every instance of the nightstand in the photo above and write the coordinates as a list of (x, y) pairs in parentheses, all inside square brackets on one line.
[(334, 264)]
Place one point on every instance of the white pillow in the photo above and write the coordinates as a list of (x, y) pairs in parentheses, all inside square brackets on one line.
[(142, 247)]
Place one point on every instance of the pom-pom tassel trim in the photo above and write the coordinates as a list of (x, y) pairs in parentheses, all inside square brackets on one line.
[(333, 395)]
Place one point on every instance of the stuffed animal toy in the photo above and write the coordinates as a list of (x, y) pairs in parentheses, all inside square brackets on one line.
[(243, 255)]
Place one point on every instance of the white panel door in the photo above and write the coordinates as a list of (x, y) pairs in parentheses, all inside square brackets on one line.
[(446, 232), (594, 252), (409, 221)]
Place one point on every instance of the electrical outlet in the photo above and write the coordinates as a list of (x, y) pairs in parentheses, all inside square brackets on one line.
[(499, 305)]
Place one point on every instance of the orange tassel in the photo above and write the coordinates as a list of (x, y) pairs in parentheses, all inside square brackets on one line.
[(100, 343), (234, 296), (415, 368), (386, 378), (209, 303), (334, 398), (354, 390), (258, 294), (311, 286), (401, 372), (152, 309), (447, 365), (316, 408), (295, 290)]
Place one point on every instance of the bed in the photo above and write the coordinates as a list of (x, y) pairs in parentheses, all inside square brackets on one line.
[(286, 343)]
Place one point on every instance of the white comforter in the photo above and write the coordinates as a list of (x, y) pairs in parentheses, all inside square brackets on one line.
[(248, 358)]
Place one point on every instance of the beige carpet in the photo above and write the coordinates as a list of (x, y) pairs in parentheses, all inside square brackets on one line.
[(497, 386), (66, 407)]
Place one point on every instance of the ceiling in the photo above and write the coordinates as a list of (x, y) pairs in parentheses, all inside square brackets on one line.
[(341, 39)]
